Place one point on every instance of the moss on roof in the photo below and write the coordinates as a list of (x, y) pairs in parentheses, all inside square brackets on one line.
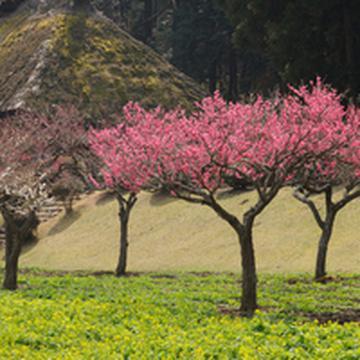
[(84, 59)]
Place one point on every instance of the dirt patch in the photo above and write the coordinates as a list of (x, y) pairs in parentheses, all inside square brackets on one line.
[(298, 281), (328, 279), (324, 280), (341, 317), (209, 273), (202, 274), (233, 312), (45, 273), (164, 276), (236, 312)]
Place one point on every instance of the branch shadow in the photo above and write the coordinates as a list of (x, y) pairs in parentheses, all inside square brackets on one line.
[(227, 194), (105, 198), (64, 223), (161, 198)]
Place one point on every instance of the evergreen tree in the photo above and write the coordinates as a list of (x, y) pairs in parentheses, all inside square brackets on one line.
[(302, 38)]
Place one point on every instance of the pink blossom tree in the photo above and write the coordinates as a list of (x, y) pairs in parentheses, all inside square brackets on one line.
[(267, 144), (339, 167), (122, 171), (264, 143)]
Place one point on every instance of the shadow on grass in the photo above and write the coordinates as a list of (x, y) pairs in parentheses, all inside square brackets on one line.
[(64, 223), (29, 245), (161, 198), (227, 194), (24, 249), (105, 198)]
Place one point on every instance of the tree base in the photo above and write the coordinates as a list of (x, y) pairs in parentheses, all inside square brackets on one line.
[(9, 285)]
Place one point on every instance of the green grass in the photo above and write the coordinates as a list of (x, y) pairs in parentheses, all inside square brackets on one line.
[(188, 316), (170, 235)]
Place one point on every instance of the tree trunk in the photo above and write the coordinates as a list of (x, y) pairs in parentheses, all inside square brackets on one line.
[(124, 213), (68, 205), (18, 229), (320, 271), (247, 254), (249, 278), (13, 250), (125, 206), (124, 226)]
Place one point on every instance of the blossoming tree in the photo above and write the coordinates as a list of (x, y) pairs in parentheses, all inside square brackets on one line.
[(122, 170), (21, 188), (36, 151), (338, 168), (264, 143)]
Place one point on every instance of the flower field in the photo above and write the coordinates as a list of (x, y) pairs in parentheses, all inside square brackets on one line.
[(172, 316)]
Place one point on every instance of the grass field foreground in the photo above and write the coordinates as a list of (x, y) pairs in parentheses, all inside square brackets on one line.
[(179, 315)]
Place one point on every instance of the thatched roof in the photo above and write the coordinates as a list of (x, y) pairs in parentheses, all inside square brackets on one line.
[(54, 54)]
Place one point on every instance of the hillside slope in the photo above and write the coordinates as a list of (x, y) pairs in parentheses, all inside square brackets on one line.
[(57, 55), (168, 235)]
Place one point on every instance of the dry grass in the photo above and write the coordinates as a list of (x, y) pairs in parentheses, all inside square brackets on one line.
[(169, 235)]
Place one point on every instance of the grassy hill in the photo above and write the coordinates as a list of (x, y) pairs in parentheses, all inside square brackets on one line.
[(82, 58), (169, 235)]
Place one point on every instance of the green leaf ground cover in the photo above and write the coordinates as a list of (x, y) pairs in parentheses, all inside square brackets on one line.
[(189, 316)]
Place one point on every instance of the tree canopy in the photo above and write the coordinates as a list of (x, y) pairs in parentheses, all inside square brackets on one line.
[(300, 39)]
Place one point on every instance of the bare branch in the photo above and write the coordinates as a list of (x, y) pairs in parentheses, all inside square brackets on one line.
[(346, 199), (305, 200)]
